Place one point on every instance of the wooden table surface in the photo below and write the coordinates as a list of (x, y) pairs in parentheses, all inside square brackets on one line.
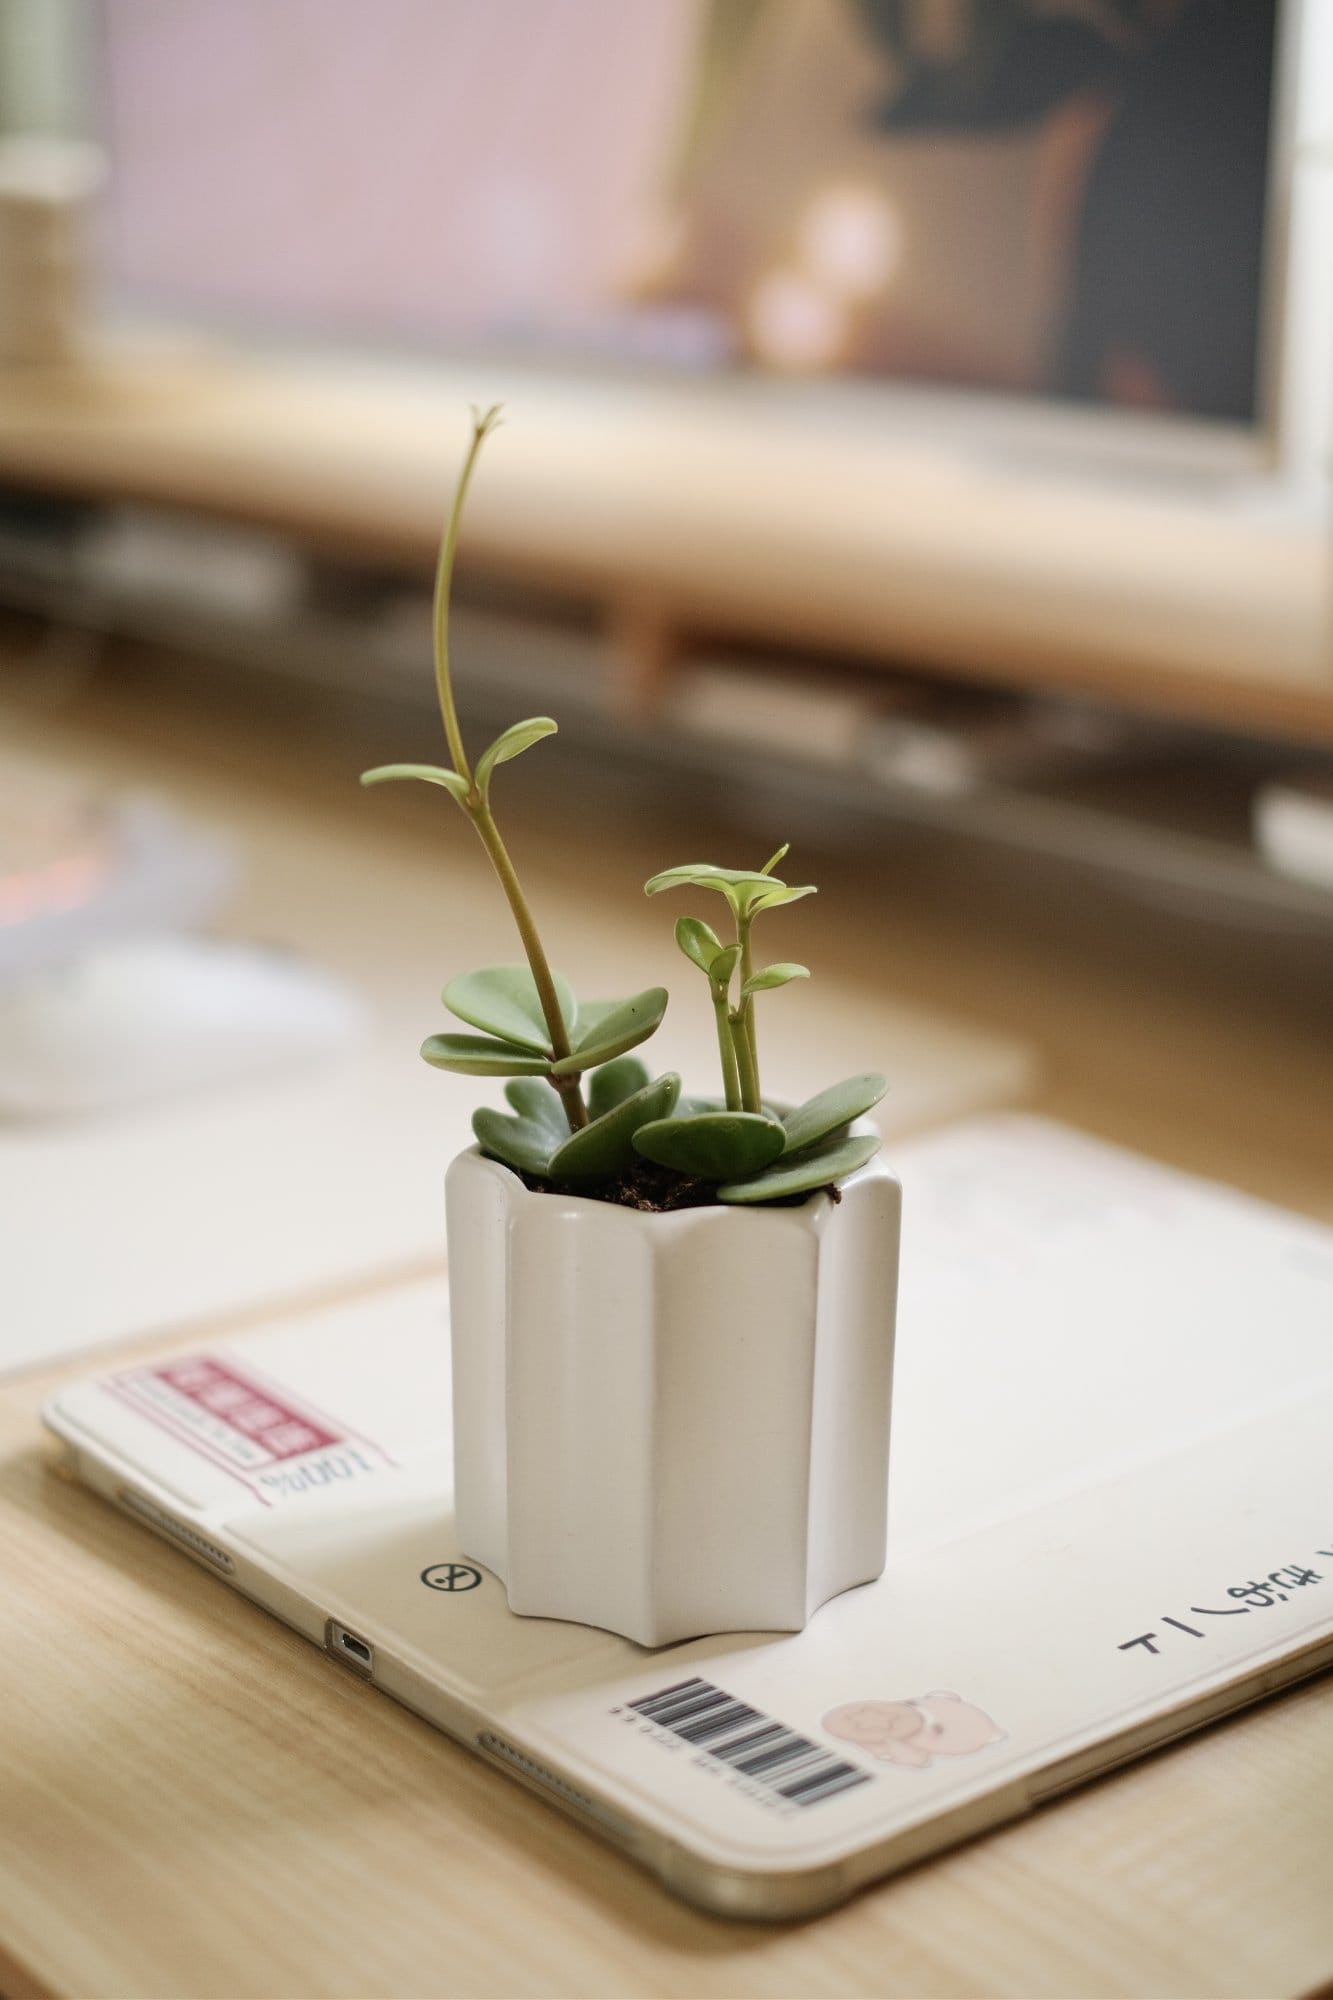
[(195, 1802)]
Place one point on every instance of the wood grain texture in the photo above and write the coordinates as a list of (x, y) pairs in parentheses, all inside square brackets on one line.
[(194, 1802)]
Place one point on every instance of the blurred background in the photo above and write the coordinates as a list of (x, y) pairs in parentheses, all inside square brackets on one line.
[(919, 447)]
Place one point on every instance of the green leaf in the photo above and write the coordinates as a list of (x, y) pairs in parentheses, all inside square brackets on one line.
[(738, 885), (606, 1146), (747, 890), (502, 999), (590, 1015), (774, 859), (715, 1145), (481, 1055), (777, 893), (703, 875), (832, 1109), (613, 1083), (698, 941), (773, 975), (821, 1167), (724, 965), (511, 742), (614, 1026), (430, 774), (521, 1143), (533, 1098), (688, 1106)]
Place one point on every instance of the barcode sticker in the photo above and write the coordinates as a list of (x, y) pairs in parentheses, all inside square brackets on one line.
[(788, 1767)]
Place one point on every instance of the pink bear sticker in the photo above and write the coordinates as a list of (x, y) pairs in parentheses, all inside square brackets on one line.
[(914, 1733)]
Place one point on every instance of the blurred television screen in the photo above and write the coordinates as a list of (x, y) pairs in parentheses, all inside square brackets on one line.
[(1061, 198)]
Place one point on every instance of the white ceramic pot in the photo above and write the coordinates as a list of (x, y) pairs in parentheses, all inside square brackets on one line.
[(675, 1424)]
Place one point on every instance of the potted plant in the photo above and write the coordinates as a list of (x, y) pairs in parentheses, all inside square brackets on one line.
[(672, 1315)]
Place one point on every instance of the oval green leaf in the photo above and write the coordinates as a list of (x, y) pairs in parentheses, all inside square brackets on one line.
[(520, 1142), (502, 1000), (832, 1109), (824, 1166), (533, 1098), (778, 892), (723, 966), (698, 941), (773, 975), (590, 1015), (612, 1027), (511, 742), (732, 882), (613, 1083), (430, 774), (606, 1146), (688, 1106), (480, 1055), (714, 1145)]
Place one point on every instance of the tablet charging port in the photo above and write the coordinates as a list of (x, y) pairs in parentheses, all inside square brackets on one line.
[(348, 1647)]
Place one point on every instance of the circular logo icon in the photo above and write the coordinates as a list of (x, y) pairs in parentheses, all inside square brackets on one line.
[(451, 1576)]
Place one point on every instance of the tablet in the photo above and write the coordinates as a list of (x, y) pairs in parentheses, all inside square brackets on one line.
[(1109, 1523)]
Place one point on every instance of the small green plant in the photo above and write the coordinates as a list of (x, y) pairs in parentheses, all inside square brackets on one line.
[(632, 1138), (751, 1151)]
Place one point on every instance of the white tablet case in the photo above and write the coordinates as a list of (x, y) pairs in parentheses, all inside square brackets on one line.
[(1110, 1522)]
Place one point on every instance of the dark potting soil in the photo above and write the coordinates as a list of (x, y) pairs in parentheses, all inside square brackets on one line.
[(657, 1190)]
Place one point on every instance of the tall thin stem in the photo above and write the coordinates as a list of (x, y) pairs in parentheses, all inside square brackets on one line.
[(476, 805), (568, 1086), (749, 1075), (743, 925), (482, 426), (731, 1076)]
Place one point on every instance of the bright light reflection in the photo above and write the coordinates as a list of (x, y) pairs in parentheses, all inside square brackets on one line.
[(851, 240), (794, 323)]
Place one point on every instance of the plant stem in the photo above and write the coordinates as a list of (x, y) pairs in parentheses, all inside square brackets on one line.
[(743, 926), (731, 1076), (749, 1075), (475, 806), (568, 1086), (482, 426)]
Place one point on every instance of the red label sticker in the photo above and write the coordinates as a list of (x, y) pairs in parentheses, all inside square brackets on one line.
[(258, 1427), (246, 1427)]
